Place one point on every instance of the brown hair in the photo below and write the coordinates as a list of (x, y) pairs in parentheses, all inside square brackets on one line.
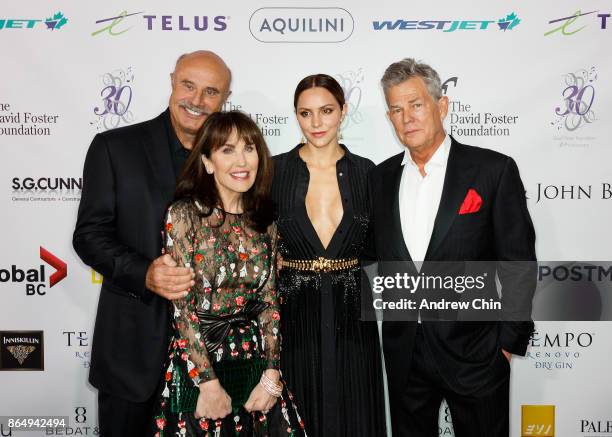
[(195, 183), (323, 81)]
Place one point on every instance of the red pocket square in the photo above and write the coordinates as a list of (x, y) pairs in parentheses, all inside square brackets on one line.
[(471, 203)]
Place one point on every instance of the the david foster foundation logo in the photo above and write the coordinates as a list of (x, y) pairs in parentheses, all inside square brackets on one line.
[(113, 106), (46, 189), (466, 121), (557, 350), (54, 22), (576, 109), (35, 278), (537, 421), (25, 123), (21, 350), (299, 25), (271, 124)]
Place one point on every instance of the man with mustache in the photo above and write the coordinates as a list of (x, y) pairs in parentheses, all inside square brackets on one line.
[(129, 179)]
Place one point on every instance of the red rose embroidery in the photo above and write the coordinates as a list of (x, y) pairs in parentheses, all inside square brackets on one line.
[(243, 256), (239, 300), (198, 258)]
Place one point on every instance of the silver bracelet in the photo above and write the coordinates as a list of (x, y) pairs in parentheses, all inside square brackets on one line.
[(273, 389)]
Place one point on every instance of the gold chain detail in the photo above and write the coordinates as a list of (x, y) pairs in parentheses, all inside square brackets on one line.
[(320, 264)]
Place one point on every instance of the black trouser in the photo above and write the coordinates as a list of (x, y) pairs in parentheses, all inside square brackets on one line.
[(120, 418), (414, 412)]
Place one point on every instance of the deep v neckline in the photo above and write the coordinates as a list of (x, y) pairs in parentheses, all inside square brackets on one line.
[(322, 249)]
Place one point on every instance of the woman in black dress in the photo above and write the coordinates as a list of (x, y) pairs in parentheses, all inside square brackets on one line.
[(330, 359)]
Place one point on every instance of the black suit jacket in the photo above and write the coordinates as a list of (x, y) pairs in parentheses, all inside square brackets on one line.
[(468, 354), (128, 182)]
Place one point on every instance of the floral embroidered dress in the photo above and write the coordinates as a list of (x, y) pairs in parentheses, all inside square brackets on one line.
[(233, 264)]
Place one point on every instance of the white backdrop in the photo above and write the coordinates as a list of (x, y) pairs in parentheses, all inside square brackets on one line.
[(63, 69)]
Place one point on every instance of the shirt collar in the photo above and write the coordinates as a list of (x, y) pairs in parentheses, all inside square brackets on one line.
[(439, 158)]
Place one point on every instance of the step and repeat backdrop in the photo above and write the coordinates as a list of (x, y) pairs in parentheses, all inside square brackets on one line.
[(530, 79)]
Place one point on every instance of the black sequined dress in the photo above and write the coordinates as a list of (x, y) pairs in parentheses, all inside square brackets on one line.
[(330, 359)]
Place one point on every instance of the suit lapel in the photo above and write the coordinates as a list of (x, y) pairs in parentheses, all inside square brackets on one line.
[(157, 151), (392, 198), (459, 175)]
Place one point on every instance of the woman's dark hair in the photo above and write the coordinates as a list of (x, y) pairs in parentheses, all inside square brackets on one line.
[(323, 81), (195, 183)]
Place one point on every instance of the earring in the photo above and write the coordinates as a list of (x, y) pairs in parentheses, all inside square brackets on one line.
[(340, 135), (302, 140)]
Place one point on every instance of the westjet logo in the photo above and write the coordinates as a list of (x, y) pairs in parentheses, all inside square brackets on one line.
[(508, 22)]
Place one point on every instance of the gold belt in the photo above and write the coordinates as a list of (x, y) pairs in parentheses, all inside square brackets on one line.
[(320, 264)]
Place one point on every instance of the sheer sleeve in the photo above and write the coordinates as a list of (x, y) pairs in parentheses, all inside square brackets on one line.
[(269, 320), (182, 220)]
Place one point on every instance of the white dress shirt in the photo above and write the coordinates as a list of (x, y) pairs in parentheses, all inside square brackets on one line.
[(419, 198)]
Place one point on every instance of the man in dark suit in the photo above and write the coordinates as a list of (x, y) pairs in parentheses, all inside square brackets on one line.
[(129, 179), (442, 201)]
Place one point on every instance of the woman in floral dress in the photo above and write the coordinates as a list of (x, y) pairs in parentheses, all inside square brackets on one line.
[(222, 376)]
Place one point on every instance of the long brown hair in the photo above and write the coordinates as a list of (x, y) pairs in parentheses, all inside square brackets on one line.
[(195, 183)]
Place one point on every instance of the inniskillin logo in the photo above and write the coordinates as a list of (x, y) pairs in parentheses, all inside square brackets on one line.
[(301, 25)]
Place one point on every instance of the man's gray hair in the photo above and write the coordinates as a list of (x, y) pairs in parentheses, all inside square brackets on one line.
[(408, 68)]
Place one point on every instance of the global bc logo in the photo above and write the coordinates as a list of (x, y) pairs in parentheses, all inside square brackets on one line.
[(301, 25), (35, 279), (509, 22), (54, 22)]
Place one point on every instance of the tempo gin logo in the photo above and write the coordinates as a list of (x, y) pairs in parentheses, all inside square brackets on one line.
[(538, 420), (116, 97)]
